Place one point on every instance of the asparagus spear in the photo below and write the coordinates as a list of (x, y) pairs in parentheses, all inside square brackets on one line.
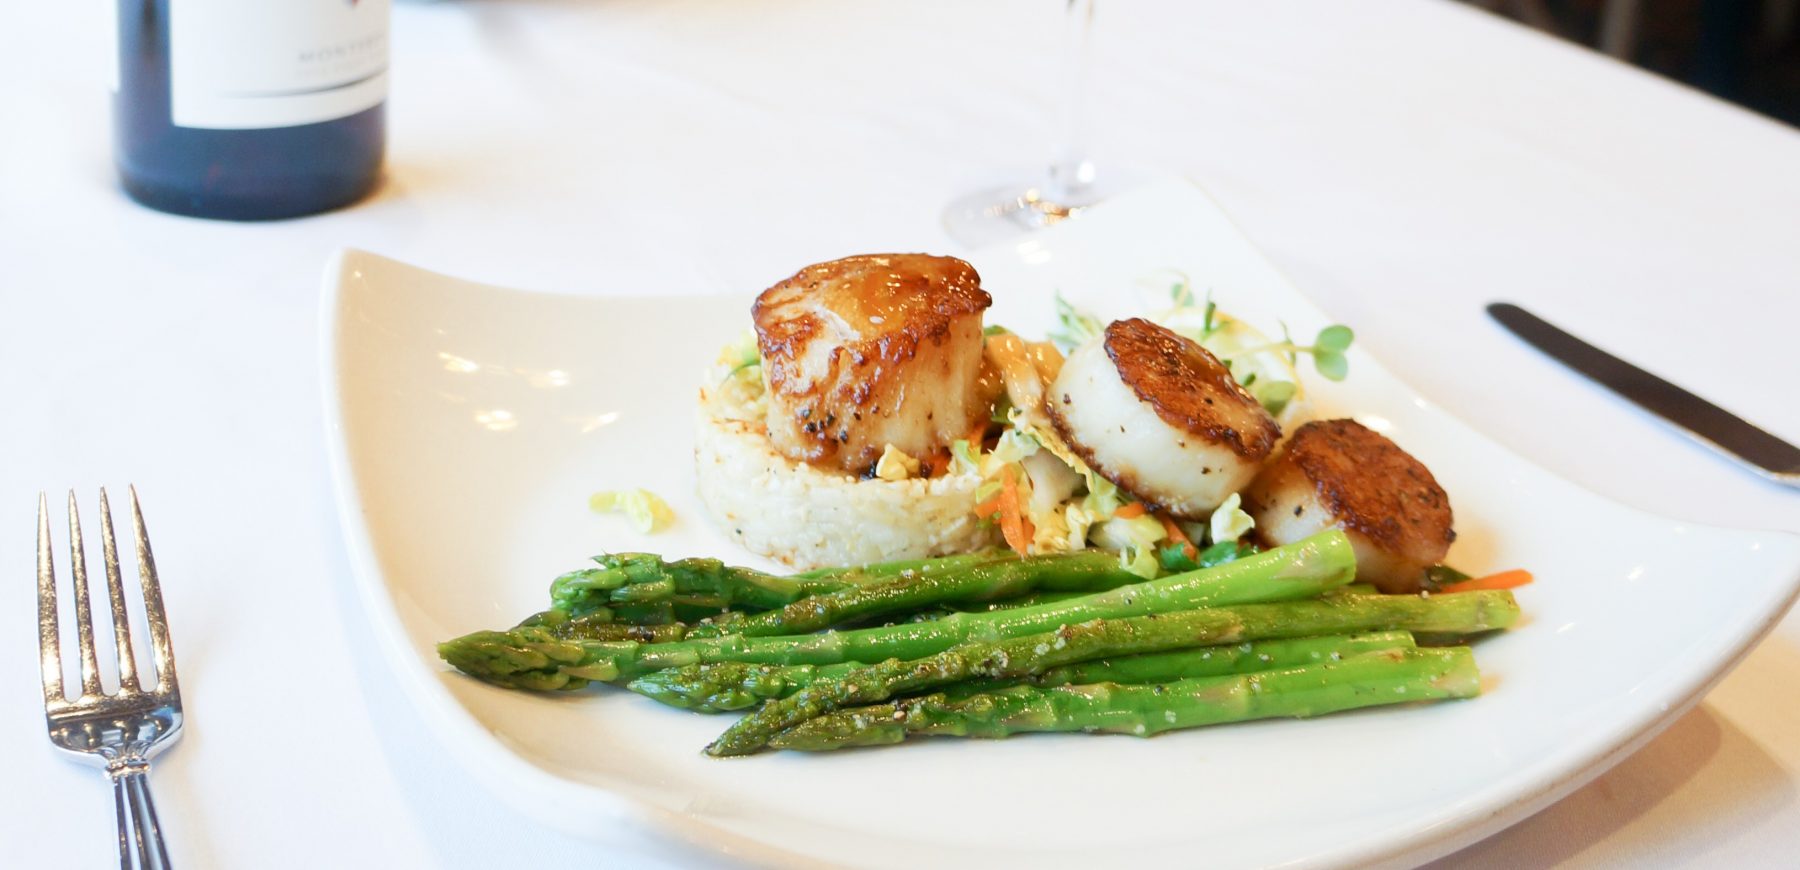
[(527, 657), (1299, 570), (1031, 600), (1372, 679), (730, 686), (700, 587), (1033, 654), (597, 626), (645, 578), (856, 574), (1087, 571), (1212, 661)]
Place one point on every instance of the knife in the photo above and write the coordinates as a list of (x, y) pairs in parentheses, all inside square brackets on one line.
[(1703, 421)]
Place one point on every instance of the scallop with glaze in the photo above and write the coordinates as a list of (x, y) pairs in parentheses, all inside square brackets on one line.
[(873, 350), (1160, 416), (1339, 473)]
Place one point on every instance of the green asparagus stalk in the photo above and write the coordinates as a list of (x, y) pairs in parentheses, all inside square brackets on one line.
[(598, 626), (700, 587), (1032, 600), (527, 657), (1304, 569), (1086, 571), (728, 686), (1372, 679), (1213, 661), (857, 574), (681, 608), (1025, 656), (645, 578)]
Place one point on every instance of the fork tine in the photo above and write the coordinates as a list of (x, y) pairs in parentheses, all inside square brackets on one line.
[(153, 602), (115, 593), (49, 652), (84, 613)]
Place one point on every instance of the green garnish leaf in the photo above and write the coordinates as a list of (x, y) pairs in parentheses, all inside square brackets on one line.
[(1207, 326), (1336, 337), (1274, 396), (746, 364), (1181, 294), (1331, 364), (1175, 560)]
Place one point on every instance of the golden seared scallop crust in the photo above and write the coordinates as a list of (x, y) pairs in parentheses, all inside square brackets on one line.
[(1189, 388), (901, 299), (872, 350), (1339, 473), (1374, 486)]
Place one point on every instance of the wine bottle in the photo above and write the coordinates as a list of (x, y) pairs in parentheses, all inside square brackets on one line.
[(249, 109)]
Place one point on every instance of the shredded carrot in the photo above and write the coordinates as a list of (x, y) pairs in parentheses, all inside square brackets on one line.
[(1177, 536), (988, 508), (1504, 580), (1014, 525), (1130, 511)]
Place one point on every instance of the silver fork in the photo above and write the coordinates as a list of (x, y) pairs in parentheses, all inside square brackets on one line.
[(120, 732)]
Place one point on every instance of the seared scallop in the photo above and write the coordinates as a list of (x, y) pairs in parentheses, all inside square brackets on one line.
[(1158, 415), (869, 351), (1339, 473)]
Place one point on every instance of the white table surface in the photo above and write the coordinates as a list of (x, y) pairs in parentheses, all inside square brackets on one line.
[(1404, 160)]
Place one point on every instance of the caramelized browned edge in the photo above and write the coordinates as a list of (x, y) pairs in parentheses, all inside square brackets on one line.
[(1161, 368), (1361, 492)]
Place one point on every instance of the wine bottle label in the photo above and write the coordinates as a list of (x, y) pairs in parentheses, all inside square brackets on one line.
[(247, 64)]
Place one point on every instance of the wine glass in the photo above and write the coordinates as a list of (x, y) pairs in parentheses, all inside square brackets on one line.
[(1070, 183)]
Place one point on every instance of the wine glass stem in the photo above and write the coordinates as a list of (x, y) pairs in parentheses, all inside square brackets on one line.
[(1070, 170)]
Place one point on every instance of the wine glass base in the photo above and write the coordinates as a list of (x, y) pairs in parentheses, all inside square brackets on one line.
[(1004, 213)]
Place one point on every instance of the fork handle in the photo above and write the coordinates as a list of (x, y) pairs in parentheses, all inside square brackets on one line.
[(135, 812)]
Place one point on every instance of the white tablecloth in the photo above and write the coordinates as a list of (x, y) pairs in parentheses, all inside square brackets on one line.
[(1405, 161)]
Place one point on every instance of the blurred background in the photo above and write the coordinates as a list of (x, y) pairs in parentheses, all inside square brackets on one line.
[(1745, 51)]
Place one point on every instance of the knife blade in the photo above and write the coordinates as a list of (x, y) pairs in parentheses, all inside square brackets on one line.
[(1703, 421)]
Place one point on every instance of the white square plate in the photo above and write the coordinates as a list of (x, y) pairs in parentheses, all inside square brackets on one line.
[(469, 423)]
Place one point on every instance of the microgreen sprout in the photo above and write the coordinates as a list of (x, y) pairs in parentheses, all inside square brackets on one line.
[(746, 364), (742, 355), (1327, 350), (1274, 396), (1208, 321), (1181, 294)]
